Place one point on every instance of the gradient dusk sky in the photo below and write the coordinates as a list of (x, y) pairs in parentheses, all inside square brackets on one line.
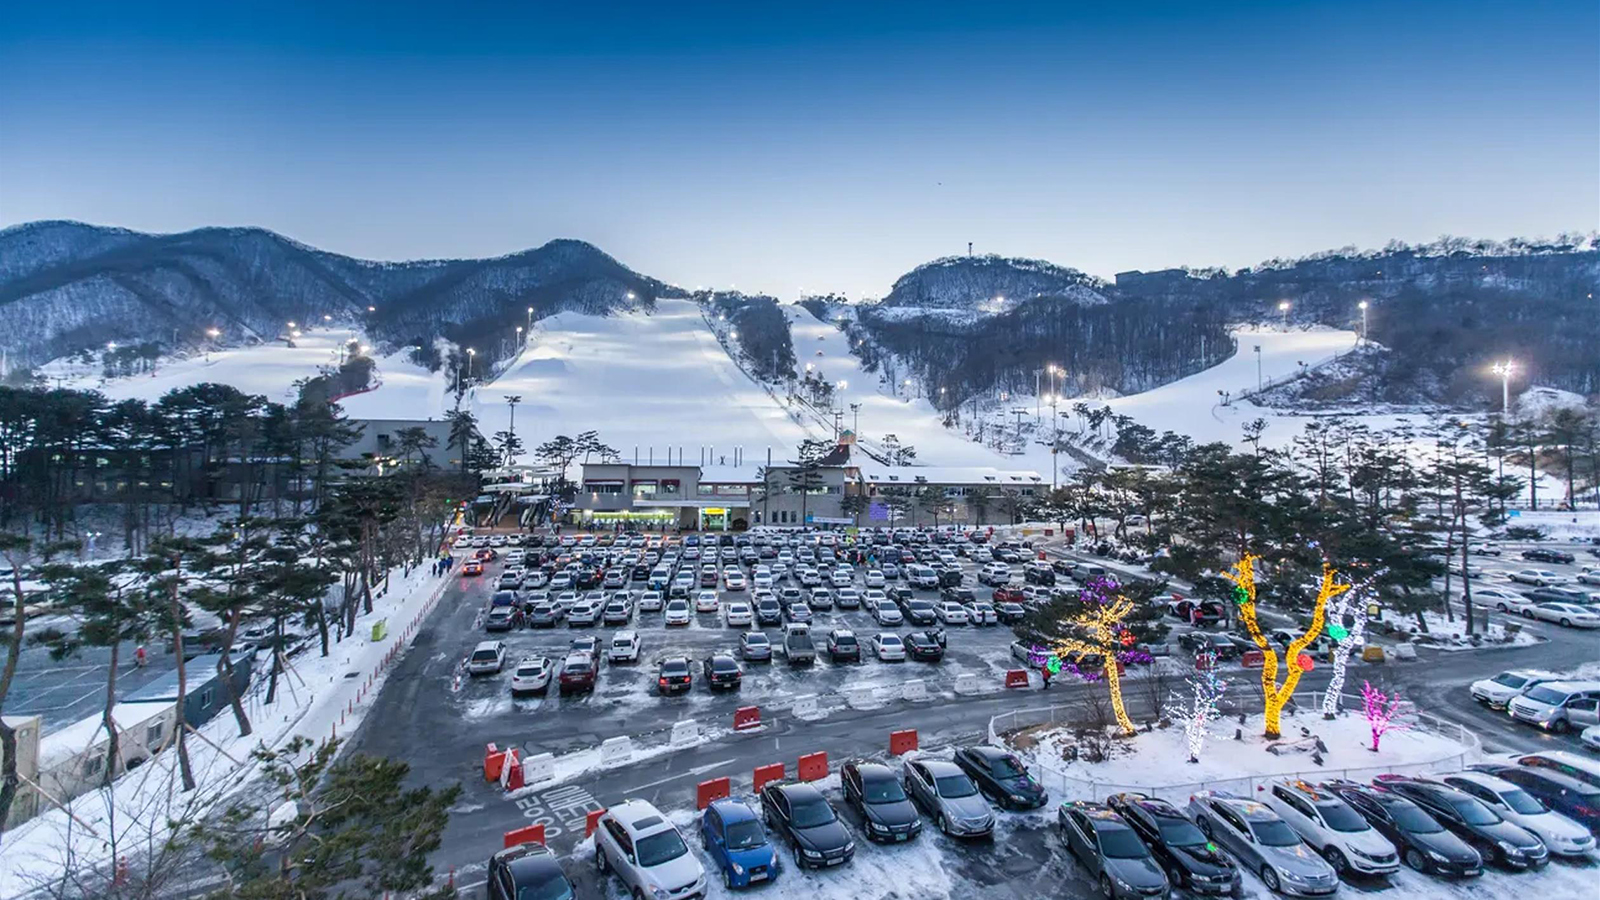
[(815, 145)]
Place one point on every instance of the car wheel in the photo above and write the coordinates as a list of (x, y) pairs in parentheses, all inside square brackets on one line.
[(1337, 860), (1175, 877), (1566, 622), (1501, 607), (943, 823), (1559, 726), (727, 879), (1105, 888), (799, 860), (601, 864), (1269, 877)]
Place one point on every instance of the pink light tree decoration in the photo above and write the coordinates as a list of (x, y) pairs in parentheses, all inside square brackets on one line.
[(1383, 712)]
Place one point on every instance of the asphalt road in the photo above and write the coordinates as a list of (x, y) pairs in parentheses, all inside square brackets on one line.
[(421, 718)]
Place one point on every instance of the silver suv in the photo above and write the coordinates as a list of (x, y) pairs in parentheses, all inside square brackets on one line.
[(635, 841)]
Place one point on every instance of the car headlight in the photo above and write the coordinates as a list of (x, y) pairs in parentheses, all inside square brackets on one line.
[(1018, 798), (849, 846), (1291, 876), (738, 869), (811, 854), (659, 892), (1509, 848), (1436, 856)]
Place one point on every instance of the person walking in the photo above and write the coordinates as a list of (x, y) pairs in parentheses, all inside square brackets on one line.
[(1046, 670), (139, 658)]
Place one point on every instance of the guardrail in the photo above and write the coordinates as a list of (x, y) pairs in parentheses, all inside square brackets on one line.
[(1076, 786)]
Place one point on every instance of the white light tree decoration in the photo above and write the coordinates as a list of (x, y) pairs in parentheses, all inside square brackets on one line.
[(1351, 604), (1200, 707), (1383, 712)]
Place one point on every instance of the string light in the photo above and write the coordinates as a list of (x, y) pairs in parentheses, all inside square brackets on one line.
[(1273, 695), (1352, 603), (1383, 712), (1102, 622), (1205, 691)]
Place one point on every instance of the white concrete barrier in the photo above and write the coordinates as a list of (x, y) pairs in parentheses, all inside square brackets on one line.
[(859, 696), (805, 707), (967, 683), (1405, 651), (914, 690), (616, 750), (538, 767), (685, 732)]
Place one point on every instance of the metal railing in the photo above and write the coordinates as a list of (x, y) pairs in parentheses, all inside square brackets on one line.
[(1080, 786)]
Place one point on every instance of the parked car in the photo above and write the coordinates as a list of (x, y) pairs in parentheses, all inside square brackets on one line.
[(1102, 842), (1001, 777), (1331, 828), (578, 673), (532, 675), (1547, 555), (502, 618), (1501, 599), (733, 837), (888, 647), (1561, 835), (924, 646), (677, 613), (950, 612), (739, 615), (1263, 843), (625, 647), (1493, 837), (980, 612), (950, 797), (1499, 691), (673, 675), (843, 646), (1424, 844), (798, 647), (754, 646), (1567, 615), (488, 658), (584, 613), (1191, 861), (647, 854), (1590, 575), (1536, 577), (526, 870), (1562, 793), (617, 612), (887, 814), (1009, 613), (1566, 762), (1558, 706), (804, 818), (919, 612)]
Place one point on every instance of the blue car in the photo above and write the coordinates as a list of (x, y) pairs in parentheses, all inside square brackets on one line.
[(735, 840)]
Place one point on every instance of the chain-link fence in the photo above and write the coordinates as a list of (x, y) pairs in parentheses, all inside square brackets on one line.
[(1080, 786)]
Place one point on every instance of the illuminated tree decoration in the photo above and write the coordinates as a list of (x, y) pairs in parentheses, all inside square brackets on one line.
[(1101, 624), (1275, 696), (1383, 712), (1200, 707), (1352, 604)]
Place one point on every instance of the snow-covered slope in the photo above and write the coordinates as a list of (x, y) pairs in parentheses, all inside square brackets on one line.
[(267, 369)]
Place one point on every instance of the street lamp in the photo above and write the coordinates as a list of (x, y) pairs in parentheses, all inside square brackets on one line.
[(1363, 307), (472, 356), (292, 325), (1283, 307), (512, 402), (1504, 370), (1258, 367), (111, 345), (327, 318)]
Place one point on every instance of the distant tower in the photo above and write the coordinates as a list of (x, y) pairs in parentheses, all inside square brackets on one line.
[(969, 248)]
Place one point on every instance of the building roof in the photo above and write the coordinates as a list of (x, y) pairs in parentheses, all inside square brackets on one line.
[(201, 671), (64, 743), (873, 473), (748, 473)]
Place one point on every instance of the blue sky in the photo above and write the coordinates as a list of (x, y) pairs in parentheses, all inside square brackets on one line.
[(822, 145)]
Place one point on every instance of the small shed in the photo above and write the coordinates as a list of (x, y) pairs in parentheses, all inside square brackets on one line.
[(205, 695)]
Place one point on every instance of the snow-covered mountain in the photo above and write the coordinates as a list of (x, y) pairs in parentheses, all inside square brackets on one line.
[(989, 284), (67, 286)]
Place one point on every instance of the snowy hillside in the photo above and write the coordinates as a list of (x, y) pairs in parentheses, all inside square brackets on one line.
[(990, 283)]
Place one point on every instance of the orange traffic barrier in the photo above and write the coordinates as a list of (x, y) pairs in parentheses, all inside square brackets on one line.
[(746, 717), (812, 766), (1016, 678), (528, 834), (1252, 659), (901, 742), (707, 791), (592, 821), (493, 759), (767, 773)]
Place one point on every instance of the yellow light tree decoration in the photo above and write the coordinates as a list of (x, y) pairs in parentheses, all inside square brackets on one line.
[(1102, 622), (1275, 696)]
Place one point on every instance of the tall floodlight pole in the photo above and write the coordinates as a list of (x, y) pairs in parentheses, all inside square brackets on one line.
[(855, 421), (512, 402), (1258, 367), (472, 357), (1504, 370), (1283, 307), (1363, 307)]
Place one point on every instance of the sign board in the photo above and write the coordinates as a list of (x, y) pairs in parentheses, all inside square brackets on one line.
[(828, 520), (1513, 513)]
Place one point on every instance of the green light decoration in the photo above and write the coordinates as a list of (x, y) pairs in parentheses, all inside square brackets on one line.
[(1211, 847), (1054, 665), (1337, 632), (1241, 596)]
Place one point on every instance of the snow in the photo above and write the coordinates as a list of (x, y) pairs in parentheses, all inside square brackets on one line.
[(1537, 401), (1448, 636), (319, 697), (1156, 762)]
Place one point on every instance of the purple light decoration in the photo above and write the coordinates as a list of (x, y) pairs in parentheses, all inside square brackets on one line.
[(1382, 712)]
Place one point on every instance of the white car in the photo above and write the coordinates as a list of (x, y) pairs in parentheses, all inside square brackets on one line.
[(650, 601), (1332, 828), (1591, 737), (1537, 577), (1500, 598), (1560, 834), (497, 540), (951, 613), (875, 578), (487, 658), (677, 613), (706, 602), (739, 614), (886, 613), (532, 675), (733, 580), (888, 647), (1589, 575), (840, 578), (981, 612), (647, 854), (1496, 692), (534, 578), (847, 598), (1570, 615), (624, 647), (762, 578), (514, 557)]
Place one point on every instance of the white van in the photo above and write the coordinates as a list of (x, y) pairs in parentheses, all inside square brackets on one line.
[(1559, 706), (923, 577)]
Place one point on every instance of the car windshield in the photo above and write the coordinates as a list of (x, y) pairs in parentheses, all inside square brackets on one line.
[(885, 790), (1473, 812), (1117, 842), (1177, 832), (1274, 833), (1411, 819), (745, 835), (1520, 802), (812, 813), (552, 886), (1342, 818), (1006, 767), (845, 640), (1545, 695), (660, 847), (483, 655), (954, 786)]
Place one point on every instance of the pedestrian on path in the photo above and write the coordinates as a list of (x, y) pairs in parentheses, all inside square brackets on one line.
[(139, 658), (1046, 670)]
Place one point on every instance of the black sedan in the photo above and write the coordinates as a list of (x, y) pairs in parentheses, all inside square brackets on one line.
[(1493, 837), (922, 645), (722, 672), (674, 676), (1546, 555), (1001, 777), (1189, 859), (1009, 613), (801, 815), (1424, 844), (919, 612), (527, 870), (872, 789)]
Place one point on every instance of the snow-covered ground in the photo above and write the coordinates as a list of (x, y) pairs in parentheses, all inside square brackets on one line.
[(318, 699)]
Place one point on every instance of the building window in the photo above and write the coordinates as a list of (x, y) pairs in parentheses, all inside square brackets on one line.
[(205, 698), (602, 487), (152, 735), (93, 764)]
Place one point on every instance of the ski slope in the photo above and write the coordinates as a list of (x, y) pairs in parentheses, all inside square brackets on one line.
[(267, 369), (644, 382)]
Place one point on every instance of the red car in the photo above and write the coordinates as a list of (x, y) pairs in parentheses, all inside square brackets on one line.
[(578, 673), (485, 553), (1008, 594)]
